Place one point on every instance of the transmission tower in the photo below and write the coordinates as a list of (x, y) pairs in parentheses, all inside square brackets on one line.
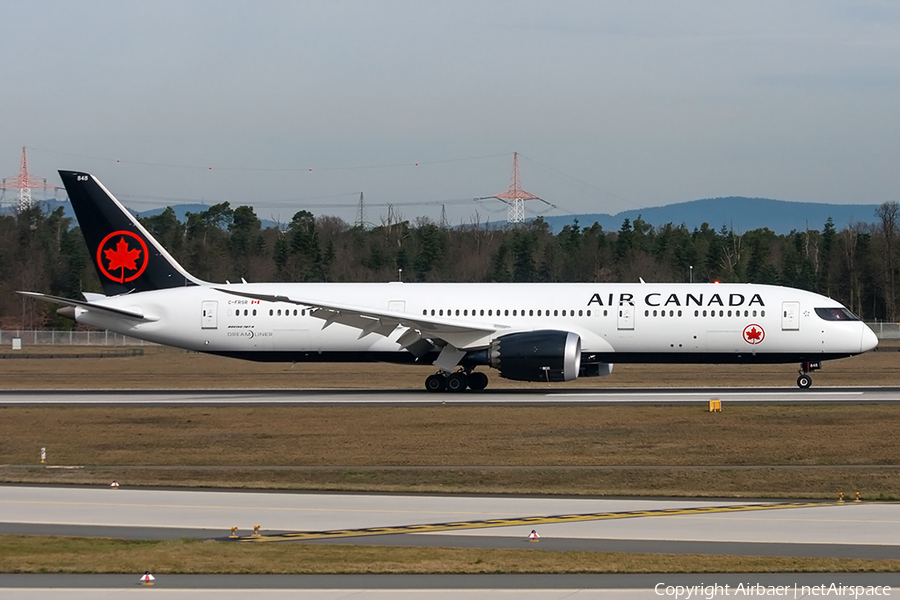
[(515, 196), (361, 213), (24, 182)]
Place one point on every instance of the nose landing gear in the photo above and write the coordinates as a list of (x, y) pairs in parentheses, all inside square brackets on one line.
[(805, 380)]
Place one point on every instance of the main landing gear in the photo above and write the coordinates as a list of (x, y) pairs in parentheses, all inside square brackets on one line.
[(456, 382), (805, 379)]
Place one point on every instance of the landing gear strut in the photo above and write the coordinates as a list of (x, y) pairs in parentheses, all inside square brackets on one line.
[(805, 379), (456, 382)]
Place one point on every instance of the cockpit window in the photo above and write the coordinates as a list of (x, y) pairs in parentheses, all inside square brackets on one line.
[(836, 314)]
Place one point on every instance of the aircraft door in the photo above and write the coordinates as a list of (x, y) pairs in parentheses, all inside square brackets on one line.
[(208, 314), (626, 316), (790, 316)]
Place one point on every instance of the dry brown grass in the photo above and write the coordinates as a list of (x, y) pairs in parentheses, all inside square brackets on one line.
[(773, 451), (178, 369), (38, 554)]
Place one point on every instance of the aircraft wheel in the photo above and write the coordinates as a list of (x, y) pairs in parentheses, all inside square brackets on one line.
[(477, 381), (436, 383), (804, 381), (458, 382)]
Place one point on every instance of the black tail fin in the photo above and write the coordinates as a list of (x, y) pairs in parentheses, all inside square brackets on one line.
[(126, 256)]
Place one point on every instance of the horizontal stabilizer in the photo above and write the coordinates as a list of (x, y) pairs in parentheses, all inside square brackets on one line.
[(91, 306)]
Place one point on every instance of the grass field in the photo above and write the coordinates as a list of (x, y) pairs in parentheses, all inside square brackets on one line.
[(755, 451), (51, 554), (161, 367)]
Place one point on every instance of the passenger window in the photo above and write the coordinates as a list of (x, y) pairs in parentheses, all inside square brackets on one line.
[(254, 312), (271, 312), (555, 313), (579, 313), (646, 313), (754, 313), (762, 313)]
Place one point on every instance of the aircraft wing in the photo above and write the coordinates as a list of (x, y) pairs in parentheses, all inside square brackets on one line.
[(383, 322), (91, 306)]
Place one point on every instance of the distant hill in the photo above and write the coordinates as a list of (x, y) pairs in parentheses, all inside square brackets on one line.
[(741, 214)]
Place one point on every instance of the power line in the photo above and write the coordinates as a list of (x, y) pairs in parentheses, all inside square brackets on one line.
[(297, 169)]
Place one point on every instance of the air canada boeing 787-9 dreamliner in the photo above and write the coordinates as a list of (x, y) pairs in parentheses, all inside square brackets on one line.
[(543, 332)]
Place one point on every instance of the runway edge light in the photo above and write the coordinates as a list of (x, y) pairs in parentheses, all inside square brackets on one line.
[(533, 536), (147, 578)]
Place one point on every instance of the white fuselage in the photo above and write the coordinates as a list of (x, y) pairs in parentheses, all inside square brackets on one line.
[(616, 322)]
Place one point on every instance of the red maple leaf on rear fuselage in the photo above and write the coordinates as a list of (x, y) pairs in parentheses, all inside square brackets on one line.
[(122, 257), (753, 334)]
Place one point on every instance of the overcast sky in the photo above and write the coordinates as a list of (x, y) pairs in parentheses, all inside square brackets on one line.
[(613, 105)]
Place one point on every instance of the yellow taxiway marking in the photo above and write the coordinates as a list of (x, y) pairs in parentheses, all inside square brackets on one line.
[(537, 520)]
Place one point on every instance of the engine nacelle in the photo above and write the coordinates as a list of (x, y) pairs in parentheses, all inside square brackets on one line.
[(537, 355)]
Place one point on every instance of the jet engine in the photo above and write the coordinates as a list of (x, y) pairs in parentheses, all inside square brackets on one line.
[(537, 355)]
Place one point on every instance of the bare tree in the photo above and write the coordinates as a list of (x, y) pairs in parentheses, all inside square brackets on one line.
[(887, 215)]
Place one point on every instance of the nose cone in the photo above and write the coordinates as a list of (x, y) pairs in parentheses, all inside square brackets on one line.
[(869, 340)]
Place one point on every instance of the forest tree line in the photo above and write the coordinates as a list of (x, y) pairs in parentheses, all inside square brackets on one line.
[(856, 266)]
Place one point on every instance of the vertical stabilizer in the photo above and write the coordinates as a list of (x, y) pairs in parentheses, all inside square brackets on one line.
[(126, 256)]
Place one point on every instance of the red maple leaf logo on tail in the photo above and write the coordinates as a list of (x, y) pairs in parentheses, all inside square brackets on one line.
[(122, 257)]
